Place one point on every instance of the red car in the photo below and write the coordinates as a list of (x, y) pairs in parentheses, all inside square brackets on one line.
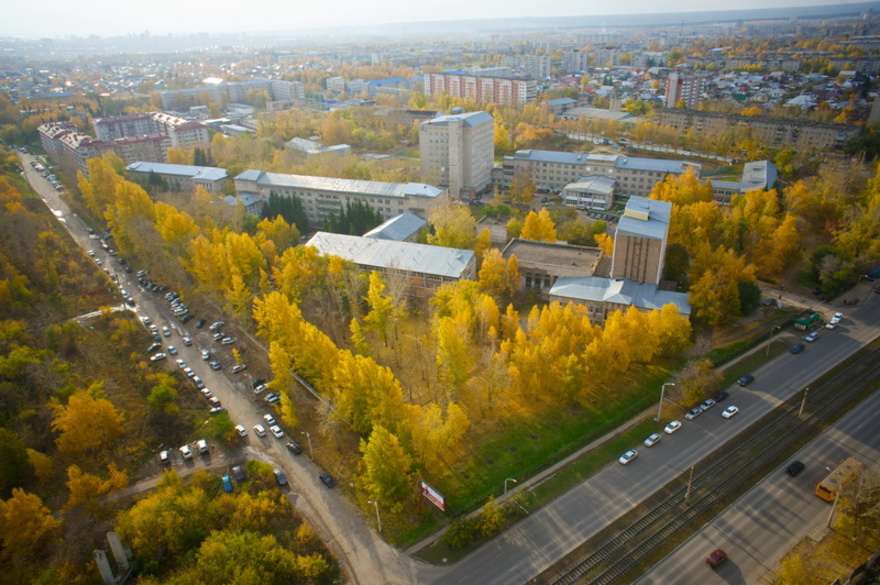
[(716, 557)]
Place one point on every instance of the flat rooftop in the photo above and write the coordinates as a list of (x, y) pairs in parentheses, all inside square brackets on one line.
[(558, 259)]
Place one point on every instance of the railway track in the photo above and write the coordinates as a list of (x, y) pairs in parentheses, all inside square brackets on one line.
[(614, 557)]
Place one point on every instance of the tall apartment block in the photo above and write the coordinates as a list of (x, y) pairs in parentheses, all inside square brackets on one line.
[(684, 86), (182, 133), (640, 241), (458, 151), (481, 88)]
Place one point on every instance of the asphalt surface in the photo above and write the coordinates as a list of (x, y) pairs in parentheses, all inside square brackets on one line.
[(759, 528), (535, 543)]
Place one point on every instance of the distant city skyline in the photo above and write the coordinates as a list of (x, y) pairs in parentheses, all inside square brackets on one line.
[(63, 18)]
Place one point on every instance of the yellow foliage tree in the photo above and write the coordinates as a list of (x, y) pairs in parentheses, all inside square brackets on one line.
[(86, 424), (539, 226)]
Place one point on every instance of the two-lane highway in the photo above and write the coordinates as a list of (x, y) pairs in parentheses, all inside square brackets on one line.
[(760, 527)]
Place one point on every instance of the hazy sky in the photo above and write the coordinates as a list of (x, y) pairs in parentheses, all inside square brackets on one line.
[(60, 18)]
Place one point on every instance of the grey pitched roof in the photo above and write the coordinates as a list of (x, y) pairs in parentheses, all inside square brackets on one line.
[(619, 291), (470, 119), (593, 183), (337, 185), (645, 218), (191, 171), (397, 228), (416, 258)]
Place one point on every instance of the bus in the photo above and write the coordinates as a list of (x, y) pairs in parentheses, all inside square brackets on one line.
[(827, 488)]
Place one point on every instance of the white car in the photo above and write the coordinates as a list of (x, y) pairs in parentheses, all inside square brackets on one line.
[(672, 427), (270, 420), (157, 356), (206, 354), (628, 456), (260, 430), (694, 413), (186, 452), (707, 404), (652, 440), (276, 430), (206, 392), (180, 363), (238, 368), (729, 411), (166, 331), (811, 337), (242, 432)]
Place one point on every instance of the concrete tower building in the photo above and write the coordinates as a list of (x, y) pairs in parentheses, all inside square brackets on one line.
[(640, 241), (458, 152)]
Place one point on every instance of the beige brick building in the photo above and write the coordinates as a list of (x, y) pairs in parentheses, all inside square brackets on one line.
[(458, 152)]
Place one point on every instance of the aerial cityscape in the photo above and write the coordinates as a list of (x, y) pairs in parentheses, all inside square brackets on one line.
[(492, 294)]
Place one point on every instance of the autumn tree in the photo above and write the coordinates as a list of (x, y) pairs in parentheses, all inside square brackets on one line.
[(381, 306), (453, 227), (387, 468), (86, 424), (26, 526), (86, 489), (539, 226), (522, 187), (15, 467), (697, 381)]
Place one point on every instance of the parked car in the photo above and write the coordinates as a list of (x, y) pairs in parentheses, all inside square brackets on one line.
[(154, 347), (707, 404), (200, 323), (721, 395), (812, 336), (327, 480), (694, 413), (794, 468), (227, 340), (206, 355), (276, 430), (216, 410), (242, 432), (238, 473), (172, 350), (186, 452), (272, 399), (165, 457), (260, 388), (157, 356), (260, 430), (238, 368), (746, 380), (280, 477), (166, 331), (672, 427), (628, 456), (227, 483), (187, 341), (215, 365), (294, 447), (797, 348), (729, 411), (652, 440), (270, 420)]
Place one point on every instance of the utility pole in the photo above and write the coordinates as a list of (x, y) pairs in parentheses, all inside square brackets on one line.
[(660, 406), (803, 402), (687, 494)]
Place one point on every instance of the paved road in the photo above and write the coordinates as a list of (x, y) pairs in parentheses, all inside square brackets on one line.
[(366, 558), (758, 529), (535, 543)]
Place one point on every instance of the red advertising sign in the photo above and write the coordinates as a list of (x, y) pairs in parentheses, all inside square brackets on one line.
[(433, 496)]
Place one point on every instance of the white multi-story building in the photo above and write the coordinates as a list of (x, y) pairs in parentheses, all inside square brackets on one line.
[(182, 133), (322, 196), (575, 61), (482, 88), (182, 177), (458, 151), (553, 170), (685, 87)]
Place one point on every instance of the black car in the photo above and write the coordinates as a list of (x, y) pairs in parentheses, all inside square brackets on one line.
[(721, 396), (238, 473), (257, 381), (746, 380), (797, 348), (200, 323), (327, 480), (186, 318), (294, 447), (795, 468), (154, 347)]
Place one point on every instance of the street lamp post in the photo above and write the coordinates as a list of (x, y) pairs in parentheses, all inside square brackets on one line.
[(309, 437), (660, 406), (505, 483), (803, 402), (378, 519), (770, 341)]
